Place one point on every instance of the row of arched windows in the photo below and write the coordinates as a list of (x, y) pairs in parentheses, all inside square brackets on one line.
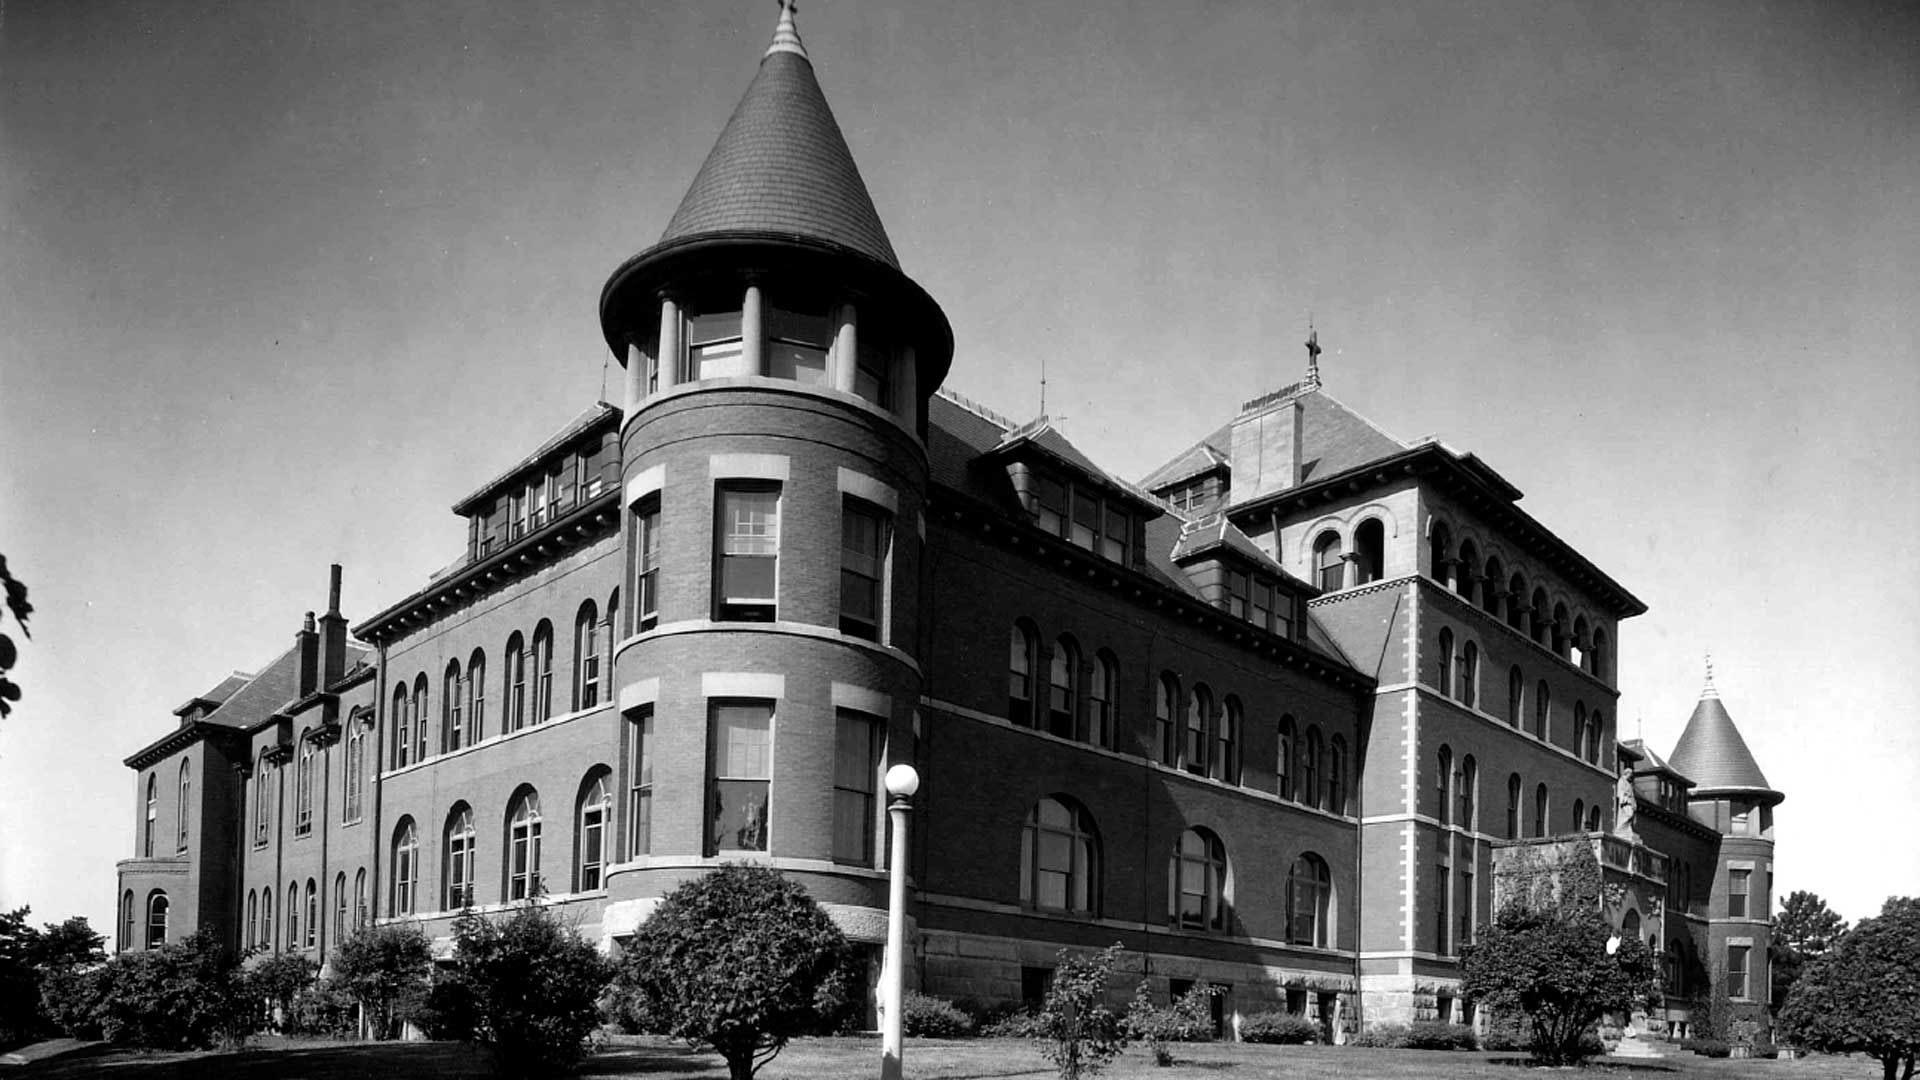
[(1061, 871), (1538, 823), (303, 912), (519, 854), (1457, 676), (1488, 584), (307, 770), (1335, 567), (1077, 699), (181, 811), (157, 911), (526, 687)]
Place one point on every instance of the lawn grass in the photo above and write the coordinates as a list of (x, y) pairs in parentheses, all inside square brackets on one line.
[(273, 1058)]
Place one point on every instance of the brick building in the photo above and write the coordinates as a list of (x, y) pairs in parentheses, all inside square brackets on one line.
[(1264, 717)]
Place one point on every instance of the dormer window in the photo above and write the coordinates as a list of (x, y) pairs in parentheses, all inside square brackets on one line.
[(1049, 504), (1095, 522), (1086, 520)]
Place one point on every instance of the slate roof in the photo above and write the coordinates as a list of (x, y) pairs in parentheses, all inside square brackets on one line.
[(781, 166), (574, 428), (1713, 755), (1333, 439)]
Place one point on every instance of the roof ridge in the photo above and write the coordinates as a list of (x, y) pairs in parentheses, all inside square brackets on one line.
[(957, 398)]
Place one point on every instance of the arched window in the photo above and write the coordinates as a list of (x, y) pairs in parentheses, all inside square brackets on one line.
[(1197, 897), (457, 859), (1582, 644), (1593, 818), (354, 780), (523, 846), (293, 915), (1596, 735), (1465, 570), (1166, 703), (303, 787), (542, 671), (420, 711), (1228, 742), (1468, 795), (402, 751), (253, 919), (1490, 588), (1310, 767), (514, 683), (156, 919), (1540, 810), (453, 705), (590, 838), (1100, 699), (406, 868), (1517, 603), (1061, 711), (1309, 896), (1328, 566), (1513, 807), (1542, 711), (1560, 632), (1579, 816), (1443, 670), (1440, 552), (1059, 850), (1288, 737), (127, 940), (1516, 690), (360, 912), (266, 917), (313, 913), (262, 805), (1020, 664), (476, 697), (339, 907), (1469, 674), (1199, 717), (1580, 728), (586, 657), (1370, 551), (1337, 774), (153, 816), (181, 815), (1542, 618), (1599, 667), (1443, 785)]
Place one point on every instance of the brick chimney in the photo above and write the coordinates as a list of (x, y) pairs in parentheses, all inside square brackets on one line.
[(333, 634), (307, 657), (1265, 450)]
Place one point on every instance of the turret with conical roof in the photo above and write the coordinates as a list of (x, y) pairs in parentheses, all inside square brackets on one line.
[(1712, 754)]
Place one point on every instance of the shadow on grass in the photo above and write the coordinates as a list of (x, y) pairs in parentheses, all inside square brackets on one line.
[(1591, 1063)]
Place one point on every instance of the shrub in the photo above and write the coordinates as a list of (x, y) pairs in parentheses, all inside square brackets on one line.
[(275, 979), (1076, 1029), (325, 1010), (1434, 1035), (526, 987), (1381, 1037), (1279, 1029), (1713, 1048), (71, 1000), (185, 995), (1188, 1019), (739, 960), (1766, 1050), (926, 1016), (1013, 1025), (385, 968)]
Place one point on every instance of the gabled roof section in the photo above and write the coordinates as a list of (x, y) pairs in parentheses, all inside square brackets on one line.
[(217, 696), (1333, 439), (1202, 457), (596, 415), (781, 166), (1647, 761), (1040, 437), (1713, 754)]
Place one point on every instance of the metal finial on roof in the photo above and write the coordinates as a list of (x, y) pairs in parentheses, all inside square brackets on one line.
[(1709, 691), (785, 37), (1312, 381)]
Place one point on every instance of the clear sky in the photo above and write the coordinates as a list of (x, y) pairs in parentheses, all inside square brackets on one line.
[(279, 281)]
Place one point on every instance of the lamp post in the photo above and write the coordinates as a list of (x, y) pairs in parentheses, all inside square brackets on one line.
[(901, 782)]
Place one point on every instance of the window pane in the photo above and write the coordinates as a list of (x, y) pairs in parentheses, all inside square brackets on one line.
[(720, 326), (801, 363), (739, 815), (744, 741), (1086, 520), (797, 328)]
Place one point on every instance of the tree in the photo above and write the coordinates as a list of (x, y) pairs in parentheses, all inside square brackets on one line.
[(527, 987), (1551, 956), (1189, 1018), (1804, 929), (17, 604), (19, 989), (738, 960), (385, 968), (185, 995), (1076, 1029), (69, 944), (278, 978), (1863, 994)]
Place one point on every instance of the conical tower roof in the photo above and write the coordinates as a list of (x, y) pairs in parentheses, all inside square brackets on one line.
[(1712, 754), (781, 166)]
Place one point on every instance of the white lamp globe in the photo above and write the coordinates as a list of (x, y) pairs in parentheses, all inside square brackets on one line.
[(902, 781)]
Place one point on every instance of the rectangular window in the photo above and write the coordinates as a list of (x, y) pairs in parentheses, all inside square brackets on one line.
[(1738, 971), (646, 546), (539, 494), (1086, 520), (856, 767), (864, 541), (797, 346), (1466, 906), (749, 552), (1262, 613), (1442, 909), (872, 376), (741, 772), (1238, 587), (518, 514), (1113, 544), (1049, 504), (1738, 884), (640, 793), (714, 347)]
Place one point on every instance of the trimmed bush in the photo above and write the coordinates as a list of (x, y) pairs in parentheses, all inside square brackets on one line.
[(1013, 1025), (928, 1017), (1381, 1037), (1434, 1035), (1713, 1048), (1279, 1029), (526, 987)]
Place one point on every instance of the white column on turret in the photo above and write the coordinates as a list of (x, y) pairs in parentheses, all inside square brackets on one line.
[(636, 376), (753, 331), (906, 388), (669, 342), (846, 348)]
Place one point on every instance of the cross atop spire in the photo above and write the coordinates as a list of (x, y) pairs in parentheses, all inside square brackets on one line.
[(785, 37), (1709, 691), (1312, 381)]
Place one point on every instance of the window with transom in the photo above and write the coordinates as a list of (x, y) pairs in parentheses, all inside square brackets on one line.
[(1058, 850), (1197, 882)]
